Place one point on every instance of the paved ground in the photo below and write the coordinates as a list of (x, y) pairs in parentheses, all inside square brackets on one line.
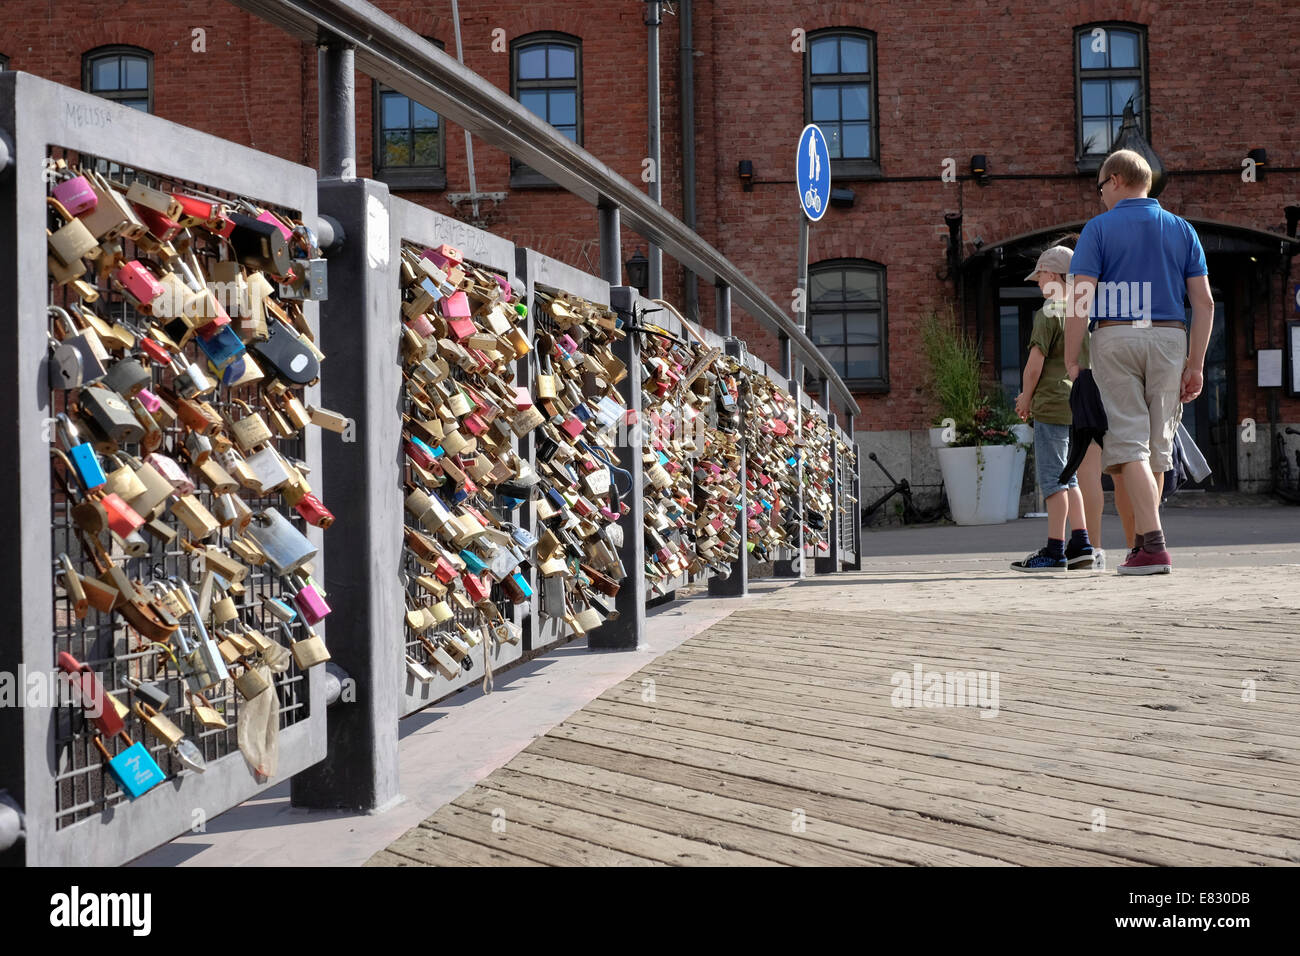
[(1132, 722), (1114, 695)]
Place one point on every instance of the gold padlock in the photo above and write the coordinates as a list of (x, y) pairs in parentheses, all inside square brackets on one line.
[(310, 651)]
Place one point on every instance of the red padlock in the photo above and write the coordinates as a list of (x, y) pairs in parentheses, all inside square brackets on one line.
[(92, 696), (155, 350), (444, 571), (162, 228), (314, 511), (122, 518), (475, 587)]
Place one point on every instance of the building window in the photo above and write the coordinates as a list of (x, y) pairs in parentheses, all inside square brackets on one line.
[(409, 142), (847, 320), (120, 73), (840, 97), (1110, 71), (546, 77), (4, 62)]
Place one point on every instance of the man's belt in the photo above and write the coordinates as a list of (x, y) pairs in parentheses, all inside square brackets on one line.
[(1163, 323)]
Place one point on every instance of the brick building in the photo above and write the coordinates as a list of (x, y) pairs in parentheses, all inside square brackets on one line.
[(905, 92)]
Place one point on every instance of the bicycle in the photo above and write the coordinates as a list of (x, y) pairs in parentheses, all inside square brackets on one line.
[(911, 513), (1286, 485)]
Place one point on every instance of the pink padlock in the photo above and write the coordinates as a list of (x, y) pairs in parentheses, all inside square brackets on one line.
[(76, 195), (174, 474), (444, 257), (149, 400), (311, 604), (455, 306), (567, 343), (421, 325), (270, 219), (138, 282), (573, 427)]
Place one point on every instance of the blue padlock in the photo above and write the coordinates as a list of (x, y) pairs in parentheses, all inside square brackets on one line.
[(89, 471), (134, 770), (473, 562), (523, 584), (222, 348)]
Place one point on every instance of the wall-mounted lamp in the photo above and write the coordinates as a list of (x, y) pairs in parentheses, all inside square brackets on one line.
[(638, 271), (843, 198), (1292, 219), (745, 170), (979, 168)]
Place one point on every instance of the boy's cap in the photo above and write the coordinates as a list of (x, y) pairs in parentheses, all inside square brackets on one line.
[(1056, 259)]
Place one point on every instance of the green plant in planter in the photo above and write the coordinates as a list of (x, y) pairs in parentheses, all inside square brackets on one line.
[(981, 413)]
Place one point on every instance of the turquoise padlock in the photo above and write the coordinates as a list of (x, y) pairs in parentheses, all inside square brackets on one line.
[(134, 770), (473, 562), (523, 584)]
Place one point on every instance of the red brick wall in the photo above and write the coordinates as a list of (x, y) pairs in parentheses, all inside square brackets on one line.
[(953, 80)]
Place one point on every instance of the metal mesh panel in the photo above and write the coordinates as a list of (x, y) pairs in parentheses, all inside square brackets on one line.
[(105, 642)]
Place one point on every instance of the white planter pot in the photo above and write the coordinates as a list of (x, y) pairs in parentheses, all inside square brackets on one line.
[(977, 480)]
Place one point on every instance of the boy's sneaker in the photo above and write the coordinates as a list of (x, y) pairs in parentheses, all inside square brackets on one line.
[(1099, 559), (1081, 560), (1040, 560), (1143, 562)]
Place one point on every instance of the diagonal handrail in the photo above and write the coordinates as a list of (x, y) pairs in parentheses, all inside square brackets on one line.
[(403, 60)]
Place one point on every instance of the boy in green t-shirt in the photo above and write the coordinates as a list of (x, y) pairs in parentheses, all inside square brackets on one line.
[(1046, 397)]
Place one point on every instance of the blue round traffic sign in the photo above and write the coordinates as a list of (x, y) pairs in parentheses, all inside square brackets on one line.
[(813, 172)]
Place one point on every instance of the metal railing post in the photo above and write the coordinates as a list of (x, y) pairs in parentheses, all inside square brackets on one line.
[(723, 299), (360, 770), (737, 582), (611, 268), (628, 630), (336, 69), (831, 563)]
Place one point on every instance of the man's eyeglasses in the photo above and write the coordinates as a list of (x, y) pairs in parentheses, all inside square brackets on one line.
[(1102, 185)]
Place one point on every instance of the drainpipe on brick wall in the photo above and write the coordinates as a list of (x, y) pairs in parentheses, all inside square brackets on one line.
[(687, 88)]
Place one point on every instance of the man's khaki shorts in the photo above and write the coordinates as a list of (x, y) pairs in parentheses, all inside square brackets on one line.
[(1139, 373)]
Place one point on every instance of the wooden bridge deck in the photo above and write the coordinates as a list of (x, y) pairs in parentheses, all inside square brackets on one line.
[(1123, 735)]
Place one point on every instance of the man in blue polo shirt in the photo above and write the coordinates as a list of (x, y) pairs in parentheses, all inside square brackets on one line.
[(1131, 267)]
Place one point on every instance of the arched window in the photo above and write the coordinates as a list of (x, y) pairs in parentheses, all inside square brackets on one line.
[(546, 77), (121, 73), (1110, 71), (840, 97), (847, 320)]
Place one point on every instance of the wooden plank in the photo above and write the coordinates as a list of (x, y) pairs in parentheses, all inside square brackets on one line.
[(830, 673), (732, 825), (1174, 727), (521, 839), (974, 763), (995, 804), (591, 761), (421, 846), (578, 825), (1223, 662), (730, 703), (1161, 704), (1266, 844)]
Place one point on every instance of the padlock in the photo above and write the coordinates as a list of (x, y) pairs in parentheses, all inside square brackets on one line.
[(206, 658), (286, 548), (258, 244), (158, 724), (113, 216), (85, 462), (311, 604), (90, 693), (268, 469), (287, 355), (250, 683), (134, 770), (308, 652), (110, 414), (198, 519), (207, 715), (72, 241), (418, 670), (75, 195)]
